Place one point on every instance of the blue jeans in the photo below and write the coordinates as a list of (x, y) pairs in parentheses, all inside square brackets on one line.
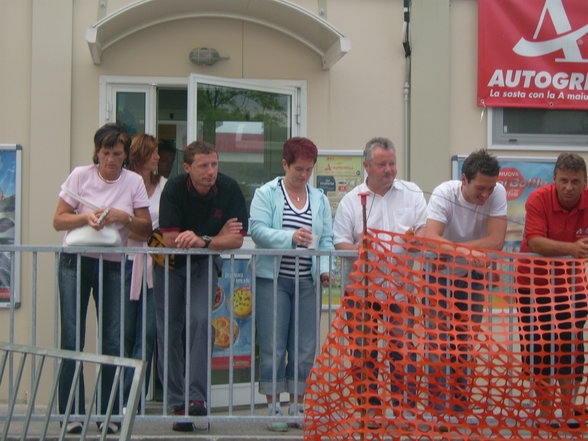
[(133, 336), (561, 351), (448, 385), (284, 328), (70, 326)]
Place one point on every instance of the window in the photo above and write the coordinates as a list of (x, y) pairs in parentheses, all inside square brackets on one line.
[(131, 105), (247, 120), (538, 129)]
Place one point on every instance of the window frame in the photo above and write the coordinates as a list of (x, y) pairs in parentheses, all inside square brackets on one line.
[(532, 142), (295, 88), (111, 84)]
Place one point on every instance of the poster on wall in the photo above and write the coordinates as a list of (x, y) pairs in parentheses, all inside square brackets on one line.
[(533, 53), (520, 176), (231, 308), (10, 211), (337, 172)]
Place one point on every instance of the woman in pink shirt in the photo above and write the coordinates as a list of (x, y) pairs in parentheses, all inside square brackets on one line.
[(123, 203)]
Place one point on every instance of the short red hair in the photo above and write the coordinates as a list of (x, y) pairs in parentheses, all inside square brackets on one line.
[(297, 148)]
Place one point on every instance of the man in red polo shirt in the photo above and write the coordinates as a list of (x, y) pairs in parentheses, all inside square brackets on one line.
[(556, 225)]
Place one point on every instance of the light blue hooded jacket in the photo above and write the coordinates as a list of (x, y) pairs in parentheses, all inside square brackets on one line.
[(265, 226)]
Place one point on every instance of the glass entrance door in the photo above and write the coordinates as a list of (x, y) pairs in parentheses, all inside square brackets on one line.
[(248, 122)]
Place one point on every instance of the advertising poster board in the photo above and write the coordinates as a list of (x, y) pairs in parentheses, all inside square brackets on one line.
[(532, 53), (336, 173), (10, 211), (240, 316)]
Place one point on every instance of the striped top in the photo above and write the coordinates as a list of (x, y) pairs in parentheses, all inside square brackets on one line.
[(293, 219)]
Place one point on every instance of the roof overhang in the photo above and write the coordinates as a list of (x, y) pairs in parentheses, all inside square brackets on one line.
[(281, 15)]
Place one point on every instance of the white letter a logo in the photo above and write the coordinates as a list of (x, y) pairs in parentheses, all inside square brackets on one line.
[(567, 40)]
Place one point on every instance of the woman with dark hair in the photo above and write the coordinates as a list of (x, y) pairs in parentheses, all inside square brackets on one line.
[(143, 159), (287, 213), (123, 203)]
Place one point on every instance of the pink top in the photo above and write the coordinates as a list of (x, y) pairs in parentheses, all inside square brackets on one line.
[(127, 193), (138, 259)]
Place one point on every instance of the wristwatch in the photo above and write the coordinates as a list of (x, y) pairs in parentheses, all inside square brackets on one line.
[(207, 240)]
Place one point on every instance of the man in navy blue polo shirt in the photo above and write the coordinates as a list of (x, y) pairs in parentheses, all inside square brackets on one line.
[(200, 208)]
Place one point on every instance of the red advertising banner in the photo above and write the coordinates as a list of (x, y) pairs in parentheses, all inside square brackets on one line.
[(533, 53)]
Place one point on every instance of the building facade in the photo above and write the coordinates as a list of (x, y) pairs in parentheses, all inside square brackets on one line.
[(340, 67)]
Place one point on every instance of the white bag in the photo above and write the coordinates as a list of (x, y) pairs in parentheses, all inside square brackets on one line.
[(87, 236)]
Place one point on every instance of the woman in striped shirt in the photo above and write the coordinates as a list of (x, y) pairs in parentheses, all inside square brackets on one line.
[(288, 213)]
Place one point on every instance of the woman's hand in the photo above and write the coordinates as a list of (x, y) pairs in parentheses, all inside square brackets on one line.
[(66, 218), (139, 222), (111, 215), (302, 237), (96, 219)]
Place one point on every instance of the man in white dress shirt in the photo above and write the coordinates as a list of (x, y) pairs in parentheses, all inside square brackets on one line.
[(392, 205)]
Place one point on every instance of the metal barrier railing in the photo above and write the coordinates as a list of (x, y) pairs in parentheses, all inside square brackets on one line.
[(35, 320), (45, 366)]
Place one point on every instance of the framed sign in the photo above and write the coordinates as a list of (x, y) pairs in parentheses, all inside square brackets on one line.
[(233, 308), (10, 221), (337, 172)]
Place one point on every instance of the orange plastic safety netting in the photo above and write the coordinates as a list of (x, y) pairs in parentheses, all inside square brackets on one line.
[(433, 344)]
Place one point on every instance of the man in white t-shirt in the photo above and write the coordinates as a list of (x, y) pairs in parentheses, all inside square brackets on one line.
[(392, 205), (466, 213)]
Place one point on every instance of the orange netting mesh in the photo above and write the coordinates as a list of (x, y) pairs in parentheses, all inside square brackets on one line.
[(431, 345)]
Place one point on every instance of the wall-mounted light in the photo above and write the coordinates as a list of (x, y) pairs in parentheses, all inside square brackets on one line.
[(204, 56)]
